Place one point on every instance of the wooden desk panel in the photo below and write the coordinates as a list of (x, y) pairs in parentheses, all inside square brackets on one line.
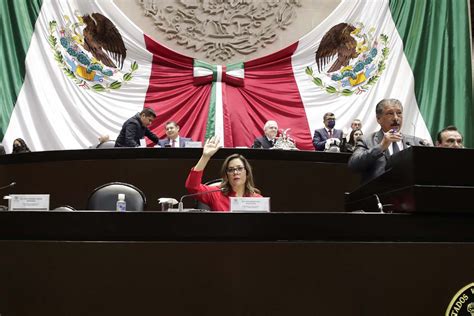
[(295, 180), (155, 263)]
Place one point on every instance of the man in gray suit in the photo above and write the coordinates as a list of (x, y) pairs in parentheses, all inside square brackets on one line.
[(172, 136), (373, 151)]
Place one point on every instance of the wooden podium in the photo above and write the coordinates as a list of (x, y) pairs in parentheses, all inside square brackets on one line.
[(420, 179)]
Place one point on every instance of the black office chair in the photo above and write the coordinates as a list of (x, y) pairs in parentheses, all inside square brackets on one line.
[(203, 206), (64, 208), (105, 197), (107, 144)]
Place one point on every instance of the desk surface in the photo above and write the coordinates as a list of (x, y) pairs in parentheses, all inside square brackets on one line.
[(225, 227)]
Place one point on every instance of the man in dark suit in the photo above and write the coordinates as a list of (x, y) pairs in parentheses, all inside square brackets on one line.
[(449, 137), (374, 150), (136, 128), (172, 136), (327, 132), (268, 140)]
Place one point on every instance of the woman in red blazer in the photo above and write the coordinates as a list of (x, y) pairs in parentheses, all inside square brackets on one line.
[(237, 178)]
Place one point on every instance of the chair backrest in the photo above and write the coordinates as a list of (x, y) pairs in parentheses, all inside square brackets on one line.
[(105, 197), (64, 208), (203, 206), (107, 144)]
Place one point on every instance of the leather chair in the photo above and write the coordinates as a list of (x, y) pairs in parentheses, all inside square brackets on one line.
[(64, 208), (107, 144), (203, 206), (105, 197)]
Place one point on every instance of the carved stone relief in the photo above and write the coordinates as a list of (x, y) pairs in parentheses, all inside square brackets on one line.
[(222, 28)]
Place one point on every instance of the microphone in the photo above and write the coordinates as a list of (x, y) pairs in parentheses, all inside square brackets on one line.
[(424, 143), (379, 205), (8, 185), (421, 142), (180, 204)]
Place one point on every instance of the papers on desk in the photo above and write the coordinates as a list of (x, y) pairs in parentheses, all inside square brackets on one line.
[(249, 204)]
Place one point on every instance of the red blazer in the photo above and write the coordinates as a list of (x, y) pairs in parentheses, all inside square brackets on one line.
[(218, 201)]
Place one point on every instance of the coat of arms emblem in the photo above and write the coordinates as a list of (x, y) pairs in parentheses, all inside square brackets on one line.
[(349, 59), (90, 51)]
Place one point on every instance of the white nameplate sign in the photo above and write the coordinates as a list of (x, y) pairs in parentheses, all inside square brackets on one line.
[(249, 204), (28, 202), (193, 144)]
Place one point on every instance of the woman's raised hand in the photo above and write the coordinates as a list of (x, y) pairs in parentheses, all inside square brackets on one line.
[(211, 146)]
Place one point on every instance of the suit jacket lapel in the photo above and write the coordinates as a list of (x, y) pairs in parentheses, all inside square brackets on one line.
[(378, 139), (269, 143), (326, 133)]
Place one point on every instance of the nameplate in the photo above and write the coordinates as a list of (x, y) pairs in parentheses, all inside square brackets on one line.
[(28, 202), (143, 143), (193, 144), (249, 204)]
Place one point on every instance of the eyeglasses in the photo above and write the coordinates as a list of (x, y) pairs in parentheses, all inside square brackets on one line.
[(235, 170)]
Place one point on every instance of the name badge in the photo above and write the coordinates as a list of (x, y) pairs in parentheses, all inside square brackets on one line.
[(193, 144), (28, 202), (249, 204)]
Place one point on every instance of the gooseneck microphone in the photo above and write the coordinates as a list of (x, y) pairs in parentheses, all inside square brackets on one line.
[(419, 143), (379, 205), (180, 204), (8, 185)]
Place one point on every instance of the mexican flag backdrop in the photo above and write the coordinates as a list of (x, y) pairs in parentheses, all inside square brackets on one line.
[(63, 84)]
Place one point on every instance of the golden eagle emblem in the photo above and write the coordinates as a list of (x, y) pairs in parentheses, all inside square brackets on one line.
[(90, 51), (349, 59), (100, 35), (337, 41)]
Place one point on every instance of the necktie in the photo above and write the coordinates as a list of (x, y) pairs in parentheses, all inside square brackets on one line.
[(395, 148), (330, 133), (173, 143)]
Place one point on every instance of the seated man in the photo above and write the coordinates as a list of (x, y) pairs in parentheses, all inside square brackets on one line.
[(355, 125), (449, 137), (374, 150), (136, 128), (102, 139), (172, 136), (327, 132), (268, 140)]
